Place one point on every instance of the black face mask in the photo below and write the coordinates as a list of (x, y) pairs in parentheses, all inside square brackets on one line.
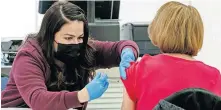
[(68, 53)]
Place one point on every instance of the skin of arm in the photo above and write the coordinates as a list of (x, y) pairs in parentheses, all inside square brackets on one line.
[(127, 103)]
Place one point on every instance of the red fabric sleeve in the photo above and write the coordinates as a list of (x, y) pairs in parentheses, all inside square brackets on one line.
[(30, 81), (108, 53), (130, 82)]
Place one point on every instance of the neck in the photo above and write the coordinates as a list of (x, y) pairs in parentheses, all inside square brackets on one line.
[(178, 55)]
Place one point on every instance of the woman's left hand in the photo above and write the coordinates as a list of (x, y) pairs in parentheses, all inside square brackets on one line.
[(127, 56)]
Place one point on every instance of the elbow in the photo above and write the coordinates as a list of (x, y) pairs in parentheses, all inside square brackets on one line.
[(35, 100), (135, 47), (131, 44)]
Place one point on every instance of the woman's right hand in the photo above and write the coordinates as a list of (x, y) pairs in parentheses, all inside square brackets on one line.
[(95, 88)]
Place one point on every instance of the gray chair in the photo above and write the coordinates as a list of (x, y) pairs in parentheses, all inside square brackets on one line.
[(190, 99)]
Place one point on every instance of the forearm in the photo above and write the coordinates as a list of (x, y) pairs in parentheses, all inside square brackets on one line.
[(83, 95), (109, 53), (126, 106), (54, 100), (127, 103)]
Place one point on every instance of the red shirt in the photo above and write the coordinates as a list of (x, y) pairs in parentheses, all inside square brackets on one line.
[(156, 77)]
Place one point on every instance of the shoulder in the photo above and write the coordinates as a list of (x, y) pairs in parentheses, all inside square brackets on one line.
[(140, 64), (147, 59), (29, 59), (208, 69), (31, 47), (149, 64), (31, 50)]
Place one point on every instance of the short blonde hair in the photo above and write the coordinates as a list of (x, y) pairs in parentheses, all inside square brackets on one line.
[(177, 28)]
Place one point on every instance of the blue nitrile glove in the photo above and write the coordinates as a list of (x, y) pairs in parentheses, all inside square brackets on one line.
[(97, 86), (127, 56)]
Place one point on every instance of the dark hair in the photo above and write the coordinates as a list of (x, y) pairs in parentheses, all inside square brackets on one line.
[(55, 17)]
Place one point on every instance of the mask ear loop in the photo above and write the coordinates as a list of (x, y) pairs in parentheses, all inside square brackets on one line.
[(56, 41), (56, 49)]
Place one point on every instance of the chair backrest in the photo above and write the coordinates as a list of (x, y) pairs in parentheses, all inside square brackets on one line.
[(194, 99)]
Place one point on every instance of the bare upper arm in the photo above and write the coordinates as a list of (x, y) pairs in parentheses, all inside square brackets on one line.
[(127, 103)]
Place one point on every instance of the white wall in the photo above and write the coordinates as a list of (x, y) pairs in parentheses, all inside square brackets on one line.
[(210, 11), (141, 10), (18, 17)]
